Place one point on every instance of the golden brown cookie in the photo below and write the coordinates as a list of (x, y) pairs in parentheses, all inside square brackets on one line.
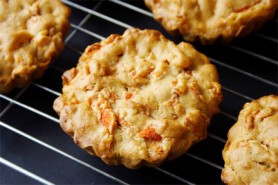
[(251, 152), (138, 99), (31, 34), (211, 20)]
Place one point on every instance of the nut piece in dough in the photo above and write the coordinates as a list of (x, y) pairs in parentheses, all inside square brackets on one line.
[(31, 34), (138, 99), (212, 20), (251, 152)]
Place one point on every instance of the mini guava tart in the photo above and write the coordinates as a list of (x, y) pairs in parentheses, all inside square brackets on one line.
[(31, 34), (212, 20), (138, 98), (251, 152)]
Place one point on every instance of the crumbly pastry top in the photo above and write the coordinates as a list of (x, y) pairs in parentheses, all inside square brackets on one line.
[(138, 99), (31, 34), (251, 152), (211, 20)]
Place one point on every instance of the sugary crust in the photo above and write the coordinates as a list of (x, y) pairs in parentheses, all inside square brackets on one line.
[(138, 99), (251, 152), (31, 34), (212, 20)]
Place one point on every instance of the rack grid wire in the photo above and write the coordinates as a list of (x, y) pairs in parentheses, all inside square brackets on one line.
[(34, 149)]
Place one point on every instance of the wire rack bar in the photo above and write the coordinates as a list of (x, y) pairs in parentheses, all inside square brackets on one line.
[(69, 37), (29, 108), (217, 137), (60, 152), (25, 172), (10, 104), (87, 32), (74, 50), (46, 89), (82, 22), (174, 176), (254, 54), (244, 72), (228, 115), (267, 38), (92, 12), (237, 93), (204, 161)]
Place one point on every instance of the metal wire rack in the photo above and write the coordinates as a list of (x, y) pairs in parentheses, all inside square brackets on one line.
[(34, 149)]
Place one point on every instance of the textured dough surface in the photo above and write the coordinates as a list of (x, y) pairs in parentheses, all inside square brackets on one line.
[(211, 20), (251, 152), (31, 34), (138, 99)]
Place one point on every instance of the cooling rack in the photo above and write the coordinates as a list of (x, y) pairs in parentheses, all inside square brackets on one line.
[(34, 149)]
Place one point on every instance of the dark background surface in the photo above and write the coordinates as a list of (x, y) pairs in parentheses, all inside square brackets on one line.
[(34, 149)]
